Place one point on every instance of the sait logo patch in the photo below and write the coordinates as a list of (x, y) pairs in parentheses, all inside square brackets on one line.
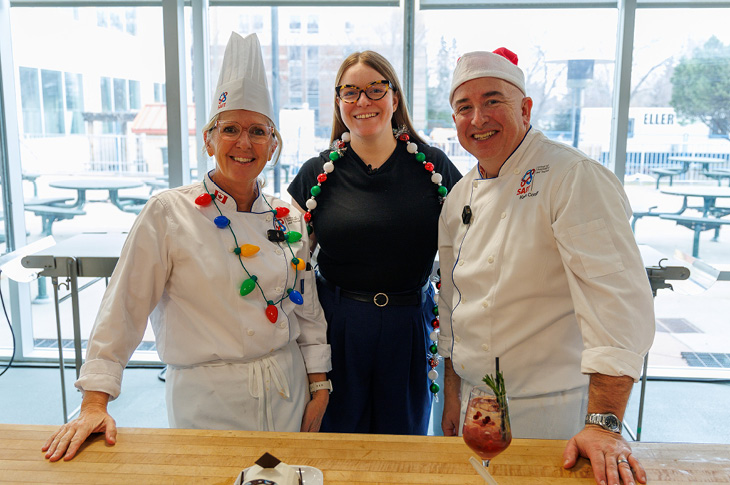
[(526, 183), (222, 99)]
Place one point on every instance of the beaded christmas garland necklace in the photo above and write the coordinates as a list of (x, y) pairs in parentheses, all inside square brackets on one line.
[(278, 234), (339, 147)]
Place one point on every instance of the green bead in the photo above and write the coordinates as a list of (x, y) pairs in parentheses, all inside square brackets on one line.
[(435, 309), (443, 191), (334, 156), (309, 229), (434, 388), (420, 157), (316, 190), (433, 348), (293, 236)]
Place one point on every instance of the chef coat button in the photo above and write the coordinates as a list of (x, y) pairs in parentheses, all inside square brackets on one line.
[(278, 251), (282, 325), (490, 259), (517, 171), (463, 299), (485, 303), (278, 289), (457, 338), (250, 332), (485, 347), (269, 217), (504, 214), (474, 184), (461, 262)]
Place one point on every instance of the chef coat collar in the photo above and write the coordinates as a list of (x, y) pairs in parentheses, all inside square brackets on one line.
[(513, 156), (226, 200)]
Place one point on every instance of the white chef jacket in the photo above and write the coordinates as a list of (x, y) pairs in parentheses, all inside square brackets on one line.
[(547, 275), (179, 267)]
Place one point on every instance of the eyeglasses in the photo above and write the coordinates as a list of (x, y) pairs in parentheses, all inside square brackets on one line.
[(231, 130), (375, 90)]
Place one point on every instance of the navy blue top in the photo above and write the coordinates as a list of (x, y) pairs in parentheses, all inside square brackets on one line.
[(376, 231)]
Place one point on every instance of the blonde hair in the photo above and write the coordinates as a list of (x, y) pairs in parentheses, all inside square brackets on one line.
[(379, 63), (208, 128)]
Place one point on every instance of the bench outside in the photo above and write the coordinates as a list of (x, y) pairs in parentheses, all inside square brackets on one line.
[(698, 225), (51, 213), (718, 174), (670, 172)]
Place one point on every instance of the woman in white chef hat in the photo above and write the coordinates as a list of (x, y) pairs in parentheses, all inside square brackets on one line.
[(223, 272)]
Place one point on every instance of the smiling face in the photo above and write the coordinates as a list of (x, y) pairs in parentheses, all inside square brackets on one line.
[(367, 119), (239, 162), (492, 117)]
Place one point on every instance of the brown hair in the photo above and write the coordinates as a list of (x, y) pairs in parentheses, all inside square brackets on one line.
[(379, 63)]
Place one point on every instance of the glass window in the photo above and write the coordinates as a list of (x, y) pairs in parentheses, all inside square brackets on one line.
[(115, 19), (131, 24), (53, 110), (134, 95), (120, 95), (75, 101), (30, 101), (568, 81), (295, 23), (312, 25), (679, 101)]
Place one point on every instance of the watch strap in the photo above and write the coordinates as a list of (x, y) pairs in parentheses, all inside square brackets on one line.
[(319, 385)]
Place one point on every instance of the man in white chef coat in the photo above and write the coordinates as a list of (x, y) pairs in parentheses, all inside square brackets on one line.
[(539, 268)]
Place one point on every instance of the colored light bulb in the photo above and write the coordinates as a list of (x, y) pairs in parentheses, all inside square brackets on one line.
[(221, 222), (298, 264), (271, 312), (293, 236), (248, 285), (281, 212), (295, 296), (249, 250), (203, 199)]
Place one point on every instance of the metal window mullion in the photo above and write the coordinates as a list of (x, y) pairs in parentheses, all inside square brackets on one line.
[(622, 87), (178, 160), (409, 37), (12, 181)]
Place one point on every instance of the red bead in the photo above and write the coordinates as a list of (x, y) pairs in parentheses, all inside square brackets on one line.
[(340, 144), (433, 362), (404, 137), (281, 212), (428, 166), (203, 199), (272, 313), (321, 177), (307, 216), (435, 323), (438, 285)]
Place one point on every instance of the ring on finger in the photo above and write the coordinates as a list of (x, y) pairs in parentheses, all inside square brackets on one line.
[(622, 460)]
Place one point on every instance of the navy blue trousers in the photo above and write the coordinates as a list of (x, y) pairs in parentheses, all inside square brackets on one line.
[(379, 365)]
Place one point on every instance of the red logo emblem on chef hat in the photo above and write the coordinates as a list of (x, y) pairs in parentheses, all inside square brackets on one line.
[(222, 99)]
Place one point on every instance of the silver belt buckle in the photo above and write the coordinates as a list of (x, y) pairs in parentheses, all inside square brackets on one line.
[(375, 299)]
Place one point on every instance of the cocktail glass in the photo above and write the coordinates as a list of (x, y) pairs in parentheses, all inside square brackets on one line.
[(486, 427)]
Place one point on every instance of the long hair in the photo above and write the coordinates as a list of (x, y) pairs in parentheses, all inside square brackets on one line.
[(379, 63)]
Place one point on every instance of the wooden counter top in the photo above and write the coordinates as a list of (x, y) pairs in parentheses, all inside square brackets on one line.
[(159, 456)]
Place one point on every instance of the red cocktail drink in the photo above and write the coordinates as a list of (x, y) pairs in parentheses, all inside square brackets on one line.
[(486, 427)]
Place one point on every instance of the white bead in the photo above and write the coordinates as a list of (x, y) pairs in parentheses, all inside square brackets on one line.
[(329, 167), (433, 375), (412, 147), (436, 178), (345, 137), (434, 336), (311, 204)]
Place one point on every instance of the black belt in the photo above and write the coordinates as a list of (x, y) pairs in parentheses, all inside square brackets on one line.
[(380, 299)]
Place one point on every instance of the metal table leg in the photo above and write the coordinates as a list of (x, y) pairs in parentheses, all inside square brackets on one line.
[(54, 280)]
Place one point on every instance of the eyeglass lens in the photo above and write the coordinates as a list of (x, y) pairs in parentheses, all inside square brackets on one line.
[(375, 91), (231, 130)]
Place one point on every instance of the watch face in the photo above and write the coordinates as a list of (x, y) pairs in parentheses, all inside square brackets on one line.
[(612, 422)]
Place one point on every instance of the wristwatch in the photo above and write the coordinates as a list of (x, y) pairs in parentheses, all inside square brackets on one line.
[(316, 386), (607, 421)]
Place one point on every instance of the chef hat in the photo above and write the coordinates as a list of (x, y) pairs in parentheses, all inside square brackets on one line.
[(242, 80), (502, 64)]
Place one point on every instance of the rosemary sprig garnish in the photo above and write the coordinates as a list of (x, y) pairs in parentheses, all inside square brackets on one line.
[(496, 384)]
